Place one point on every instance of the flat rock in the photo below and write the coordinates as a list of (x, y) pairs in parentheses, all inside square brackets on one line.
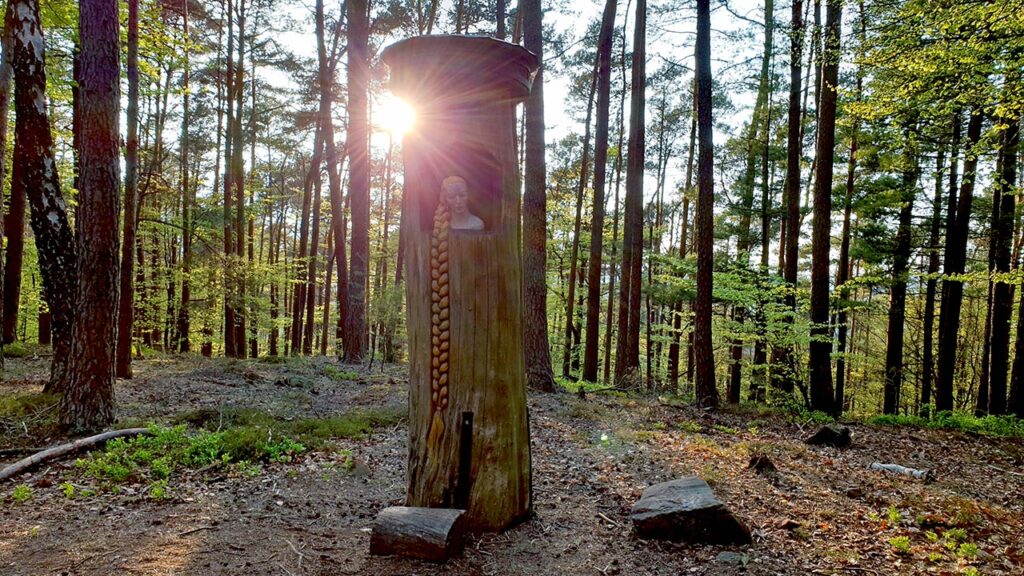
[(686, 509), (830, 435)]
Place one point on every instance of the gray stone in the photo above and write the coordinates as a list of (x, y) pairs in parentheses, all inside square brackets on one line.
[(686, 509), (734, 558)]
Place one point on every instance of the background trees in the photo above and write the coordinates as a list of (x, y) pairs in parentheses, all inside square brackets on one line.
[(228, 248)]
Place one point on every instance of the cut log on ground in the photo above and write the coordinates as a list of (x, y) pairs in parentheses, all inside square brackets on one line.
[(434, 534), (56, 452), (926, 475)]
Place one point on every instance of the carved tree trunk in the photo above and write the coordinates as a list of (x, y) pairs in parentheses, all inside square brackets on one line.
[(464, 288)]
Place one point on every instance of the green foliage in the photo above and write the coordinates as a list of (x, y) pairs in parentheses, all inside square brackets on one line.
[(24, 406), (68, 489), (901, 544), (986, 425), (335, 373), (17, 350), (22, 493), (158, 490)]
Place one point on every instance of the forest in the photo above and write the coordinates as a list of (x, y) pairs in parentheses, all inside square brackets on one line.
[(723, 225)]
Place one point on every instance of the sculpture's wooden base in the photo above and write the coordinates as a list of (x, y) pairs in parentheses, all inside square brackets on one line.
[(434, 534)]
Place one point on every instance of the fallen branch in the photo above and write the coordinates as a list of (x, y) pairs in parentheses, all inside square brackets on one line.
[(926, 475), (65, 449), (1004, 471), (8, 452)]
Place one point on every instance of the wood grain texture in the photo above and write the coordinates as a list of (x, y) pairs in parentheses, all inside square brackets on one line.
[(434, 534), (465, 126)]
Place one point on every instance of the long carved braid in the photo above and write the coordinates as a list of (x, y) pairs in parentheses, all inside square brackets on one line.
[(439, 319)]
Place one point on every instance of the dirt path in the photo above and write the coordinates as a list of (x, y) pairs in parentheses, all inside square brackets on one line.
[(825, 512)]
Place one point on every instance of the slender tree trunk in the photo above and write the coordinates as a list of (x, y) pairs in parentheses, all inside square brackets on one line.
[(14, 228), (955, 258), (604, 76), (187, 196), (535, 318), (238, 179), (570, 302), (898, 291), (706, 390), (6, 77), (311, 274), (126, 304), (820, 363), (787, 372), (674, 361), (843, 266), (359, 179), (627, 361), (230, 271), (1002, 296), (928, 360), (88, 402)]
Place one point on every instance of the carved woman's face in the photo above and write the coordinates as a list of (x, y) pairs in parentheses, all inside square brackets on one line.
[(456, 196)]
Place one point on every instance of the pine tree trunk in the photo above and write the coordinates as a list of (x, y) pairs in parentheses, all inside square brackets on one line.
[(238, 179), (787, 373), (571, 329), (928, 360), (126, 303), (6, 77), (898, 291), (230, 272), (187, 196), (535, 317), (1002, 296), (706, 390), (359, 179), (88, 402), (627, 361), (600, 170), (820, 362), (955, 258)]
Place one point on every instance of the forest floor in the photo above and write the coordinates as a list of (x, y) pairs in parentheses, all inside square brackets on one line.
[(824, 512)]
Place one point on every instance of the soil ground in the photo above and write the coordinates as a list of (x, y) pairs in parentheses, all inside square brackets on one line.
[(824, 512)]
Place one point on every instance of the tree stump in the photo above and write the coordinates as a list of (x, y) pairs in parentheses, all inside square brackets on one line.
[(434, 534), (469, 444)]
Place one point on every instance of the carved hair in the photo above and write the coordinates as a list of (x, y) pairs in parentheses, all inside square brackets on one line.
[(439, 317), (453, 180)]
